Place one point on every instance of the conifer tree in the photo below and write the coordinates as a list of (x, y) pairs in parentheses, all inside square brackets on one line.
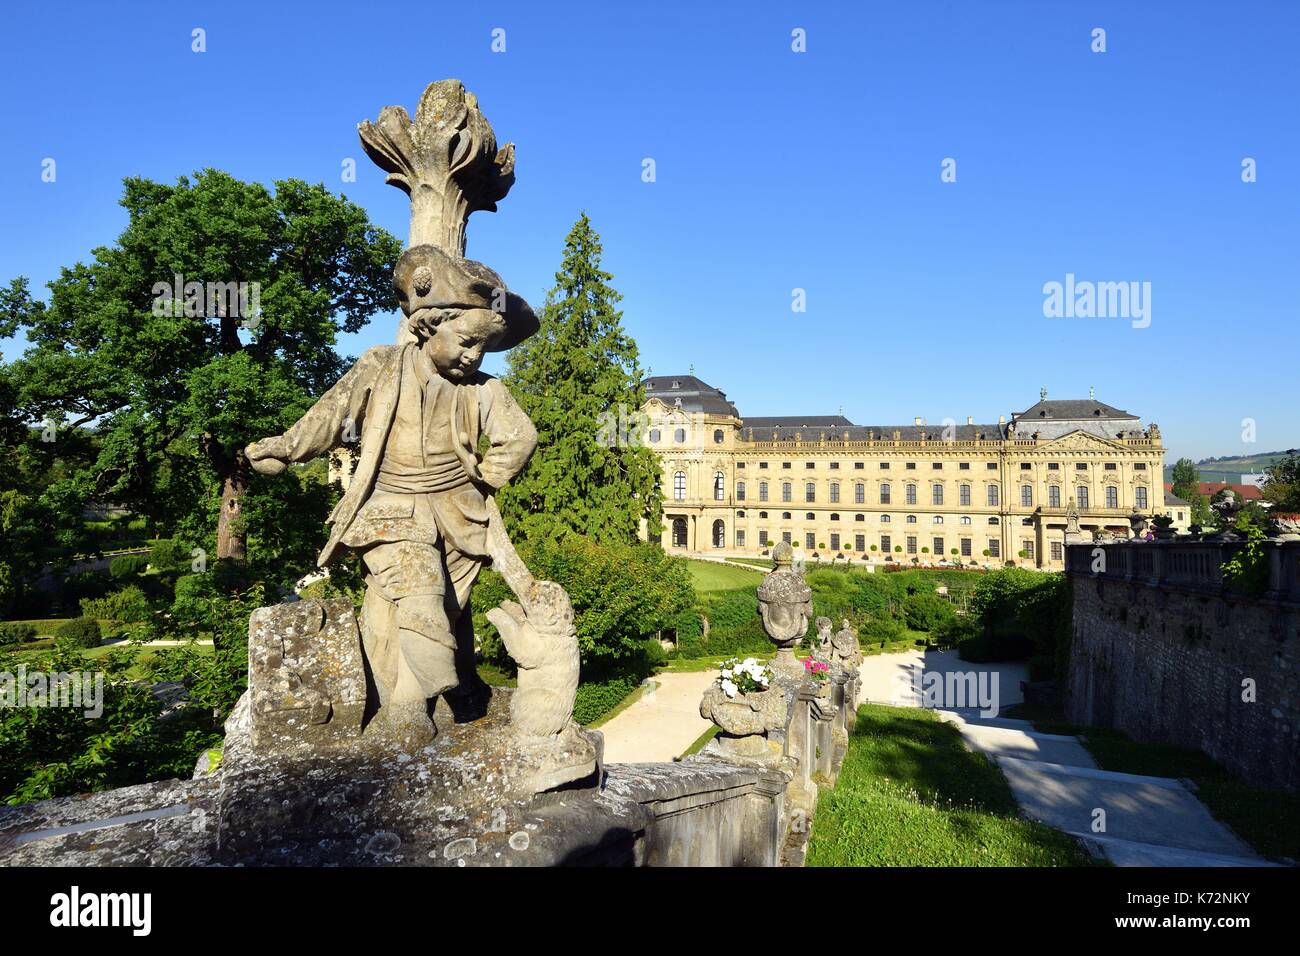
[(580, 382)]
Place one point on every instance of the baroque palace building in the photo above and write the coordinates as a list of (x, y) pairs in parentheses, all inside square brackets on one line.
[(983, 494)]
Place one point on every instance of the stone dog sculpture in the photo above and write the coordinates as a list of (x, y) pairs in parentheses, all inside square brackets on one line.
[(437, 439)]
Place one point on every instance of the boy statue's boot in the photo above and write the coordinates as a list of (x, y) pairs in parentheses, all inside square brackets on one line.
[(426, 667)]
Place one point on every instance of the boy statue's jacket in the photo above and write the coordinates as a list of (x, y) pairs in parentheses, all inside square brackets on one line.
[(364, 402)]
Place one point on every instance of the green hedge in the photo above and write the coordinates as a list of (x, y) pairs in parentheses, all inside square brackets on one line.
[(128, 565), (80, 632), (597, 698), (926, 612), (169, 553), (129, 604), (16, 632)]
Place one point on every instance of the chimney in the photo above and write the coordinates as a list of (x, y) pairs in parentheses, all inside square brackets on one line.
[(1002, 419), (918, 420), (970, 419)]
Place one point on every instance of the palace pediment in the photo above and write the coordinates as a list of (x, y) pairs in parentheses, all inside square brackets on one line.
[(1082, 441)]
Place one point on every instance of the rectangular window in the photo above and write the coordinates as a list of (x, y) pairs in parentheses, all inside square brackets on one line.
[(964, 494), (884, 466), (993, 495), (884, 494), (810, 492), (835, 542), (995, 548), (938, 547), (1026, 496), (1140, 466), (835, 466), (1053, 466), (965, 547), (740, 464), (810, 540), (1053, 496), (859, 542), (936, 495), (785, 465), (884, 544), (786, 491), (911, 544), (1140, 497), (1056, 550), (835, 492), (1082, 498), (740, 491), (810, 465), (859, 465), (762, 464), (991, 466), (911, 466), (762, 491), (964, 466), (911, 494), (859, 493), (785, 536), (1027, 546), (1110, 466), (1081, 466), (762, 539), (1026, 466), (936, 466), (740, 538), (1112, 497)]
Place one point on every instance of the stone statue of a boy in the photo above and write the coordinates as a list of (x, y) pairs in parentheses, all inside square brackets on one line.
[(437, 438)]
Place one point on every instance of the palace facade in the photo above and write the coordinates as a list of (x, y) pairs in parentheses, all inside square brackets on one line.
[(973, 493)]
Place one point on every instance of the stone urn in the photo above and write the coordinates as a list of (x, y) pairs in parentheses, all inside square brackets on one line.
[(1138, 523), (1284, 527), (747, 721), (785, 603), (1164, 531)]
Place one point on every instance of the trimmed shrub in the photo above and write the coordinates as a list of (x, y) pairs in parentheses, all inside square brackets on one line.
[(926, 612), (128, 604), (16, 632), (80, 632), (952, 631), (597, 698), (169, 553), (128, 565), (881, 630)]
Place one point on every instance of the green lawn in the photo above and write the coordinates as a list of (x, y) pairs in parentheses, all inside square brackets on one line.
[(700, 742), (711, 576), (1269, 820), (911, 794)]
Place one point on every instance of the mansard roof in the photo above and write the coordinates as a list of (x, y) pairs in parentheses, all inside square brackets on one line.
[(690, 394), (1071, 410)]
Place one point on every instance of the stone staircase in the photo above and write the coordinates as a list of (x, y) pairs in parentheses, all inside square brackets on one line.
[(1149, 821)]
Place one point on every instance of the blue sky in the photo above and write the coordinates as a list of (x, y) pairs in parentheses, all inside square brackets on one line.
[(775, 170)]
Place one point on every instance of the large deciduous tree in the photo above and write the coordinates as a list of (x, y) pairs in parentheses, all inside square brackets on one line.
[(176, 380), (579, 380), (1186, 484)]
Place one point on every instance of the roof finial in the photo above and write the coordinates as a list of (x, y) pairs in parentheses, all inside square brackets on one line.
[(841, 411), (691, 369), (1042, 394), (1092, 392)]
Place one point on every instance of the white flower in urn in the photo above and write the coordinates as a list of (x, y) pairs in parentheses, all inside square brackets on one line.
[(744, 677)]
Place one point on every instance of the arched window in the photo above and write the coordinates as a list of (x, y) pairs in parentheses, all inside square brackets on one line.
[(679, 532), (965, 519), (884, 494), (834, 516), (911, 519), (740, 491), (679, 436), (885, 519), (993, 521), (938, 519), (809, 516), (654, 436), (719, 534), (719, 486), (679, 485), (717, 436)]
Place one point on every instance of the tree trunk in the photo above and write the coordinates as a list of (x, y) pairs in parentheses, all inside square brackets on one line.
[(232, 541)]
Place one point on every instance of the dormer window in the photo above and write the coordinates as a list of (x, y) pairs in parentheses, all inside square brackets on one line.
[(677, 384)]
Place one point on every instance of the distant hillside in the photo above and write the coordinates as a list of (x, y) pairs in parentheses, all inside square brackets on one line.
[(1230, 468)]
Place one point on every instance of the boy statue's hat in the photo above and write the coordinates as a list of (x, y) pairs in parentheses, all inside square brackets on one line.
[(427, 278)]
